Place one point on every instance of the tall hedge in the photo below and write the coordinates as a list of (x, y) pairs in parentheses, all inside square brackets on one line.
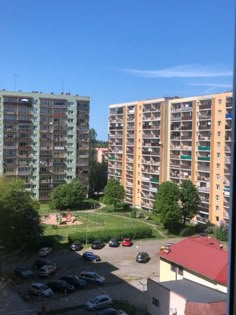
[(137, 232)]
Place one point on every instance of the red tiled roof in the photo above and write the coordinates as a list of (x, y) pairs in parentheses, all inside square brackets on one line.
[(217, 308), (200, 254)]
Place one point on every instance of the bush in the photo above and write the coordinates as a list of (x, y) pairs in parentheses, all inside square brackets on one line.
[(133, 213), (89, 204), (136, 232), (122, 206), (221, 232)]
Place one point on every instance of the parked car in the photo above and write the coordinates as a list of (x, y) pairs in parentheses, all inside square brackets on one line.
[(46, 270), (90, 256), (126, 241), (98, 302), (92, 277), (61, 285), (45, 251), (75, 246), (111, 311), (23, 272), (97, 244), (142, 257), (38, 263), (41, 289), (75, 281), (114, 243)]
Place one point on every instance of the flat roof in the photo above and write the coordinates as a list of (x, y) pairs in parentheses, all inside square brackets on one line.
[(194, 292)]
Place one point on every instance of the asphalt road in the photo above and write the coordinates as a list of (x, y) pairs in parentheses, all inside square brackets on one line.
[(125, 279)]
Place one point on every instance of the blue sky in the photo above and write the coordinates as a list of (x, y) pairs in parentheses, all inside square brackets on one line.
[(116, 51)]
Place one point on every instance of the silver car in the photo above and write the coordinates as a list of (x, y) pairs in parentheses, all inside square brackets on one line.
[(41, 289), (98, 302)]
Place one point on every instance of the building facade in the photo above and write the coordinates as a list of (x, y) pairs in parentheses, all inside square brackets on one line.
[(101, 155), (174, 139), (44, 139)]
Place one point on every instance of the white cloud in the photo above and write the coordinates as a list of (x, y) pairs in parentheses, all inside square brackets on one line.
[(182, 71)]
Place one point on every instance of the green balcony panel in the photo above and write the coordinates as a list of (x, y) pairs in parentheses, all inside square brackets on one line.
[(200, 158), (111, 158), (154, 180), (203, 148), (186, 157)]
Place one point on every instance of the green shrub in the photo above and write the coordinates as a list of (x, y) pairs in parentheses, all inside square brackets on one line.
[(133, 213), (137, 232), (122, 206)]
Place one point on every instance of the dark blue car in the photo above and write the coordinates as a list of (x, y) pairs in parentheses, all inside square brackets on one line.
[(90, 256)]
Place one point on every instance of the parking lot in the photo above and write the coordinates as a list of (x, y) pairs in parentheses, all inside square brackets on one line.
[(125, 278)]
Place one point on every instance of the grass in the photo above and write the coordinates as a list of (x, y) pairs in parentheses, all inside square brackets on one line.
[(45, 208), (91, 222)]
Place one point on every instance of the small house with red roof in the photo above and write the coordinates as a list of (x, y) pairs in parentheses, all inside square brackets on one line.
[(201, 259), (193, 279)]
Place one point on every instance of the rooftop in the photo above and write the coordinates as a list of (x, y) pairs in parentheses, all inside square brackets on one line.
[(194, 292), (211, 259)]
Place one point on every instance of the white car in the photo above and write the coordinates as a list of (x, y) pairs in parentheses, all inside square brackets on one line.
[(41, 289), (45, 251), (98, 302), (46, 270)]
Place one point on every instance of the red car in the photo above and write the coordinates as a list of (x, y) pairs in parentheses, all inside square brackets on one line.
[(126, 241)]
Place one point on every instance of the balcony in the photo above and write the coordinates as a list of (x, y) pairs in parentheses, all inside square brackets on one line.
[(154, 180), (228, 116), (203, 158), (203, 189), (186, 117), (203, 168), (174, 156), (176, 118), (203, 148), (111, 158), (204, 126), (186, 157)]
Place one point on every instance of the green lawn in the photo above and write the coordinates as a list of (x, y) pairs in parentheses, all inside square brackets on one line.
[(45, 208), (92, 221)]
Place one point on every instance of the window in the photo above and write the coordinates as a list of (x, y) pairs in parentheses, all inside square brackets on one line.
[(217, 208), (219, 112), (155, 302), (220, 101), (218, 155), (218, 133), (173, 267), (180, 271), (217, 176), (217, 197), (218, 187), (217, 218), (218, 144), (219, 123), (218, 165)]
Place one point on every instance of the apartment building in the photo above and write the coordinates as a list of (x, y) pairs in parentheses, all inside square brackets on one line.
[(44, 139), (173, 139)]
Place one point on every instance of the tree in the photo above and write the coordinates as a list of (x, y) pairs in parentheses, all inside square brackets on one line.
[(97, 176), (190, 200), (68, 196), (166, 205), (97, 171), (19, 218), (114, 192)]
